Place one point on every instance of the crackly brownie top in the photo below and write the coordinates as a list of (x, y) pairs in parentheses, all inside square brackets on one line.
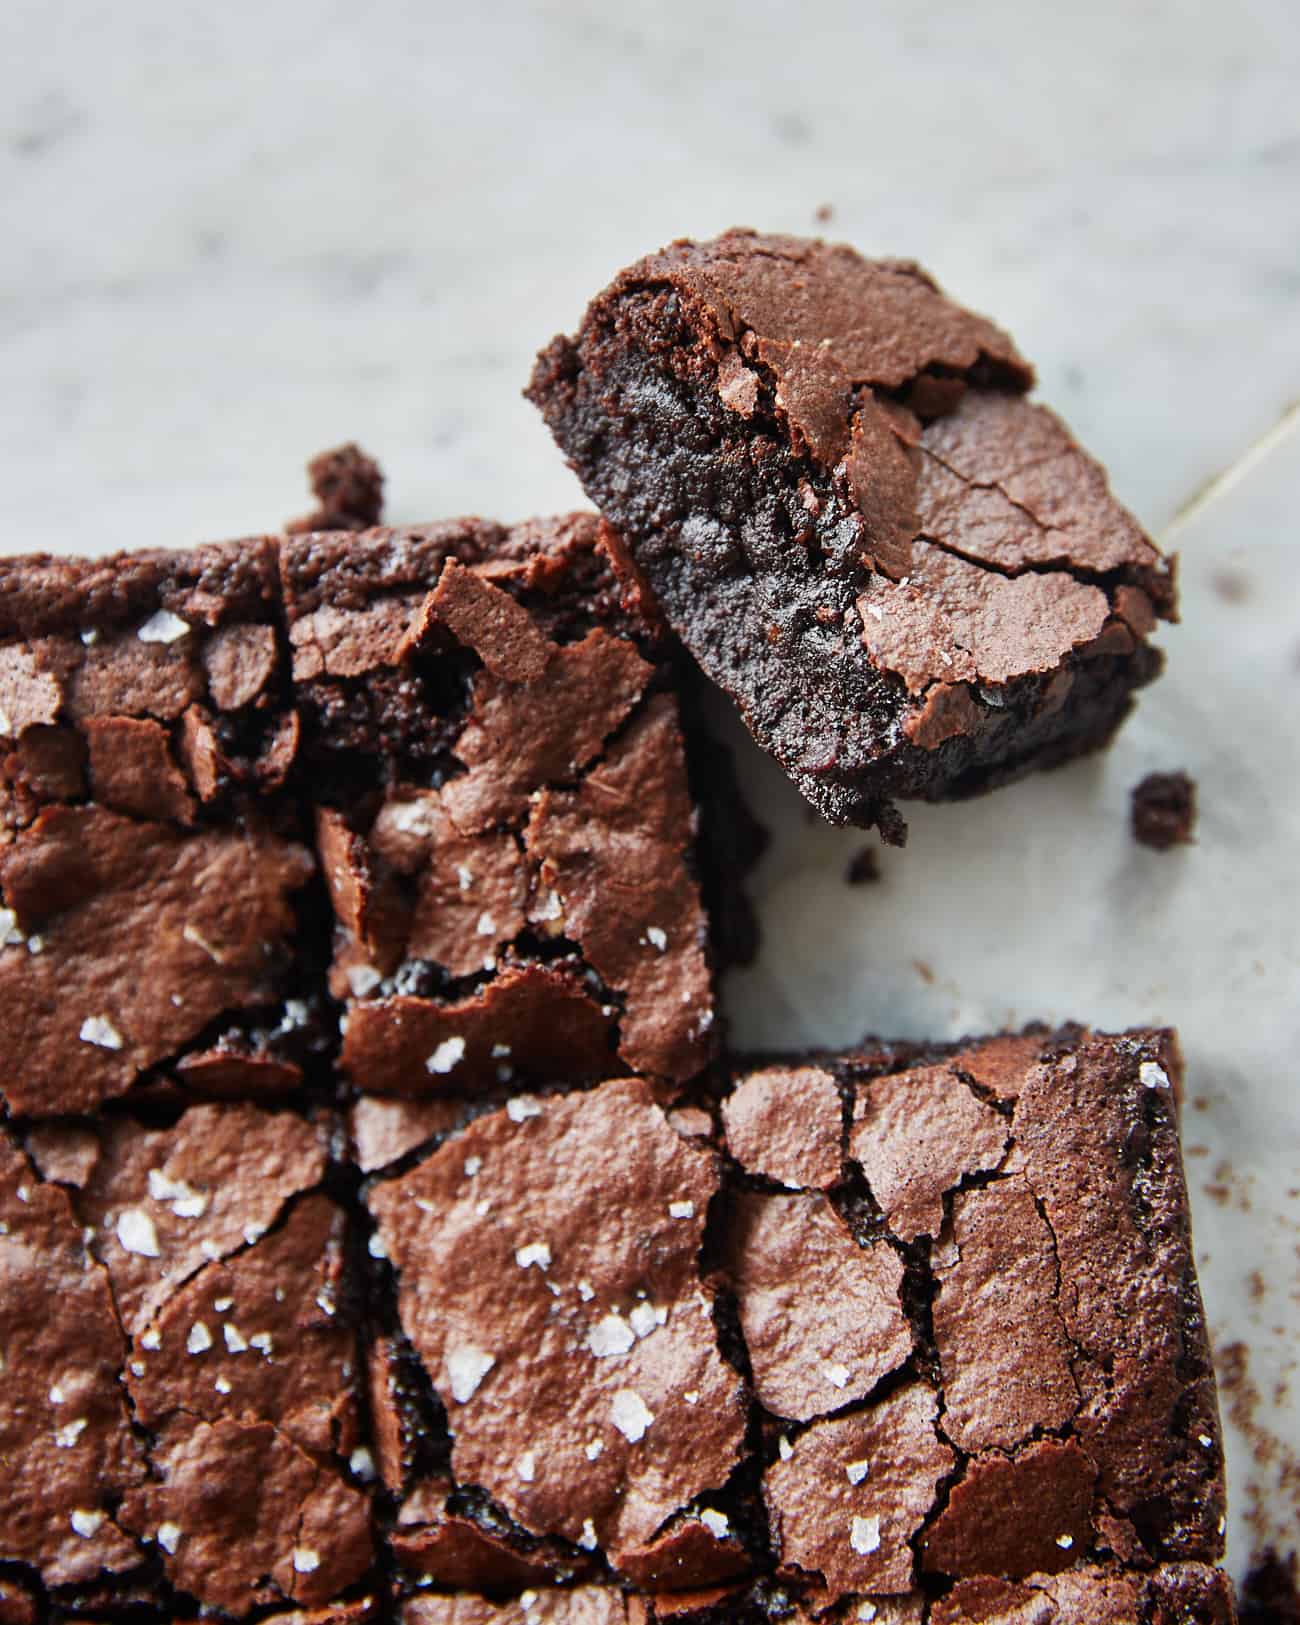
[(463, 726), (985, 540), (182, 1418), (940, 1325)]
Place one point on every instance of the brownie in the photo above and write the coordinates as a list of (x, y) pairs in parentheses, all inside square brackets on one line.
[(908, 576), (453, 750), (911, 1334), (152, 864), (504, 816), (1164, 810), (181, 1427)]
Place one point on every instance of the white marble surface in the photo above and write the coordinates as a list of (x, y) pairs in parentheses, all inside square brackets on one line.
[(235, 235)]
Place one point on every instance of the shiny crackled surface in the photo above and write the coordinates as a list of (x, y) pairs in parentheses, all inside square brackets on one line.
[(927, 1352)]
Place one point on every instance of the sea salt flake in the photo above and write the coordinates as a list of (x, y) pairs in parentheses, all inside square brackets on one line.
[(464, 877), (856, 1471), (526, 1466), (448, 1054), (657, 937), (681, 1210), (586, 1291), (644, 1319), (500, 1051), (521, 1107), (375, 1246), (363, 979), (235, 1339), (222, 1304), (1205, 1440), (692, 1396), (186, 1202), (150, 1339), (221, 1385), (536, 1252), (867, 1611), (1152, 1076), (56, 1395), (587, 1539), (487, 926), (305, 1560), (466, 1368), (99, 1030), (715, 1522), (66, 1436), (362, 1464), (472, 1166), (1065, 1542), (875, 611), (837, 1375), (162, 627), (611, 1335), (86, 1523), (199, 1340), (784, 1448), (169, 1536), (262, 1342), (412, 817), (630, 1414), (593, 1448), (136, 1234), (864, 1536)]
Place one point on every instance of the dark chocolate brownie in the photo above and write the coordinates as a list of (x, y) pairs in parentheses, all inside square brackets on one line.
[(915, 1335), (1164, 810), (181, 1425), (909, 577), (151, 864), (472, 727), (505, 822)]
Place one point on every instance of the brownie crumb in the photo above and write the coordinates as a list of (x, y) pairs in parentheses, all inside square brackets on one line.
[(864, 868), (824, 213), (1268, 1593), (1164, 810), (349, 489)]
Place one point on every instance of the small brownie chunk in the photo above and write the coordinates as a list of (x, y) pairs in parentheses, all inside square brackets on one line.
[(910, 579), (1164, 810), (182, 1420), (505, 824), (349, 491), (908, 1331), (150, 865)]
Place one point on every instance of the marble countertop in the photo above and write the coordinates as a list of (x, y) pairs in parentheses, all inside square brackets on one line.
[(237, 235)]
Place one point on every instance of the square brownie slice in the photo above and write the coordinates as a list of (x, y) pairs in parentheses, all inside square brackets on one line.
[(181, 1427), (152, 864), (909, 578), (504, 817), (896, 1334)]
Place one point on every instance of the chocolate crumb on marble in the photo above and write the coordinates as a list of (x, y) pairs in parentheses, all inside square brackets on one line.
[(863, 867), (1269, 1594), (910, 578), (349, 489), (1164, 810), (901, 1334)]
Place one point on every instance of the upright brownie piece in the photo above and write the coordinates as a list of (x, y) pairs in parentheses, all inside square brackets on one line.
[(505, 824), (907, 1336), (181, 1426), (910, 579), (150, 865)]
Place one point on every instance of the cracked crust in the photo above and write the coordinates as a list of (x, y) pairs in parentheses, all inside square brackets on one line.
[(911, 580), (945, 1360), (962, 1323), (455, 739)]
